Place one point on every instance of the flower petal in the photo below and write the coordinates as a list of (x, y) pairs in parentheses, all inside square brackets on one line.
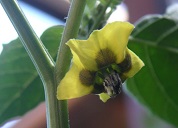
[(71, 86), (104, 97), (136, 64), (86, 51), (113, 37)]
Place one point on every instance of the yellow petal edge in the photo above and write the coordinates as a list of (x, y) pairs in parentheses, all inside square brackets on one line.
[(71, 87), (104, 97), (136, 64)]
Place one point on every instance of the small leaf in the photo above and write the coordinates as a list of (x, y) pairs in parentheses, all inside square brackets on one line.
[(91, 4), (113, 2), (20, 86), (155, 41)]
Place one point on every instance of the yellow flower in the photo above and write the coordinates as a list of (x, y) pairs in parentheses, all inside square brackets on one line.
[(100, 64)]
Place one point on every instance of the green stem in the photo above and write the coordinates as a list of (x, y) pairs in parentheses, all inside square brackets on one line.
[(64, 55), (39, 55)]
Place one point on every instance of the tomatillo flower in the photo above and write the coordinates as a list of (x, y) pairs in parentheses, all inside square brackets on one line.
[(100, 64)]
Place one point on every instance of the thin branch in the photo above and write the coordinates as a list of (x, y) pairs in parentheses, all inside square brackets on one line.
[(64, 55)]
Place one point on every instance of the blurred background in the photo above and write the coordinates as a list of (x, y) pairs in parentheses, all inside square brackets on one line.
[(89, 111)]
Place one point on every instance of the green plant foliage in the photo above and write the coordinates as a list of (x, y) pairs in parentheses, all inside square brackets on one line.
[(20, 86), (155, 41), (96, 15), (113, 2)]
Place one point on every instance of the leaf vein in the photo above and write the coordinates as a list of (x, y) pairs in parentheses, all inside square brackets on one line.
[(157, 80), (18, 94)]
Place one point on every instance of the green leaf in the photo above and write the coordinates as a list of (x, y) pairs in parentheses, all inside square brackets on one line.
[(155, 41), (51, 39), (20, 86), (113, 2), (90, 4)]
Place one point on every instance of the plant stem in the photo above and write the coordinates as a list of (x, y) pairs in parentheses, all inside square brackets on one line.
[(39, 55), (64, 55)]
